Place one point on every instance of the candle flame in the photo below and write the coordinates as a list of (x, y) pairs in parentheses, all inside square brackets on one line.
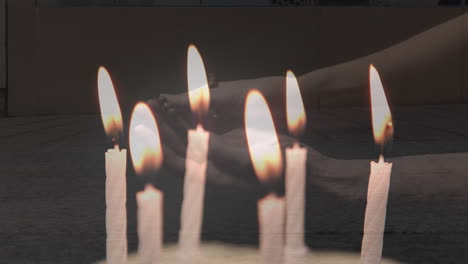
[(262, 140), (110, 110), (145, 145), (199, 92), (294, 106), (381, 117)]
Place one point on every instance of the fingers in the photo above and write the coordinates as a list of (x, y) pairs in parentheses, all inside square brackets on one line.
[(229, 148), (235, 179), (173, 114), (229, 162), (174, 100), (173, 133), (173, 161), (227, 178)]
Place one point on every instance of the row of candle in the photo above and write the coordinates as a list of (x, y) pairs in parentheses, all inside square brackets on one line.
[(281, 220)]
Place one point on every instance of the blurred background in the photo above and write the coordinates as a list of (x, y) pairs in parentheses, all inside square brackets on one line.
[(143, 43)]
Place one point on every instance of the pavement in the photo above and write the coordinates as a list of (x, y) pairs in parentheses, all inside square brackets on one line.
[(52, 188)]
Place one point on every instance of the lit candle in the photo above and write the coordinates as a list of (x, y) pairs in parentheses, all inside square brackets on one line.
[(379, 180), (116, 165), (265, 154), (146, 153), (296, 159), (195, 164)]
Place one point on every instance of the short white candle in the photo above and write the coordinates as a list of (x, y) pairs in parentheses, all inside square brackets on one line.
[(271, 218), (265, 154), (146, 151), (150, 221), (116, 165), (191, 217)]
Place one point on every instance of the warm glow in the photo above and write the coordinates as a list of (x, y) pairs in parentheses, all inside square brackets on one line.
[(263, 143), (199, 93), (145, 145), (294, 106), (110, 110), (381, 116)]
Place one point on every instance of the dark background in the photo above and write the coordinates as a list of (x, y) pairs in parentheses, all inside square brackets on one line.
[(144, 49)]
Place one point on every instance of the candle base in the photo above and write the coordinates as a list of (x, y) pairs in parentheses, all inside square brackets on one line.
[(295, 255), (217, 252), (188, 256)]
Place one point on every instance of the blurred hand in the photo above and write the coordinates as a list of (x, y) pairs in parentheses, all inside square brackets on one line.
[(229, 161)]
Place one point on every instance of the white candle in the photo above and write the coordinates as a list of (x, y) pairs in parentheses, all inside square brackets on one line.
[(376, 209), (191, 217), (379, 180), (149, 224), (296, 160), (194, 193), (116, 211), (271, 218), (116, 165), (147, 157), (265, 154)]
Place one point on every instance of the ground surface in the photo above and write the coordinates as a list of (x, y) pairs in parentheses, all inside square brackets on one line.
[(52, 189)]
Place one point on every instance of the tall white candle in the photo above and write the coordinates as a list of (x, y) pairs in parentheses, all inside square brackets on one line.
[(295, 249), (265, 154), (116, 211), (379, 180), (145, 147), (376, 209), (116, 165), (191, 217), (150, 220), (194, 193), (296, 160)]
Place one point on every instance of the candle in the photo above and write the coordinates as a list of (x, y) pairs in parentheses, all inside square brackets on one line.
[(379, 180), (195, 164), (271, 218), (116, 164), (265, 154), (296, 159), (150, 224), (146, 153)]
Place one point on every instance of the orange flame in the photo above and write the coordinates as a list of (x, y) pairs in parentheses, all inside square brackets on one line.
[(145, 145), (199, 92), (110, 110), (294, 106), (381, 117), (264, 148)]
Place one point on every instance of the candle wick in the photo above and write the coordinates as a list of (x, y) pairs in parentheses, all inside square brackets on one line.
[(381, 157), (296, 144), (116, 142), (199, 126)]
